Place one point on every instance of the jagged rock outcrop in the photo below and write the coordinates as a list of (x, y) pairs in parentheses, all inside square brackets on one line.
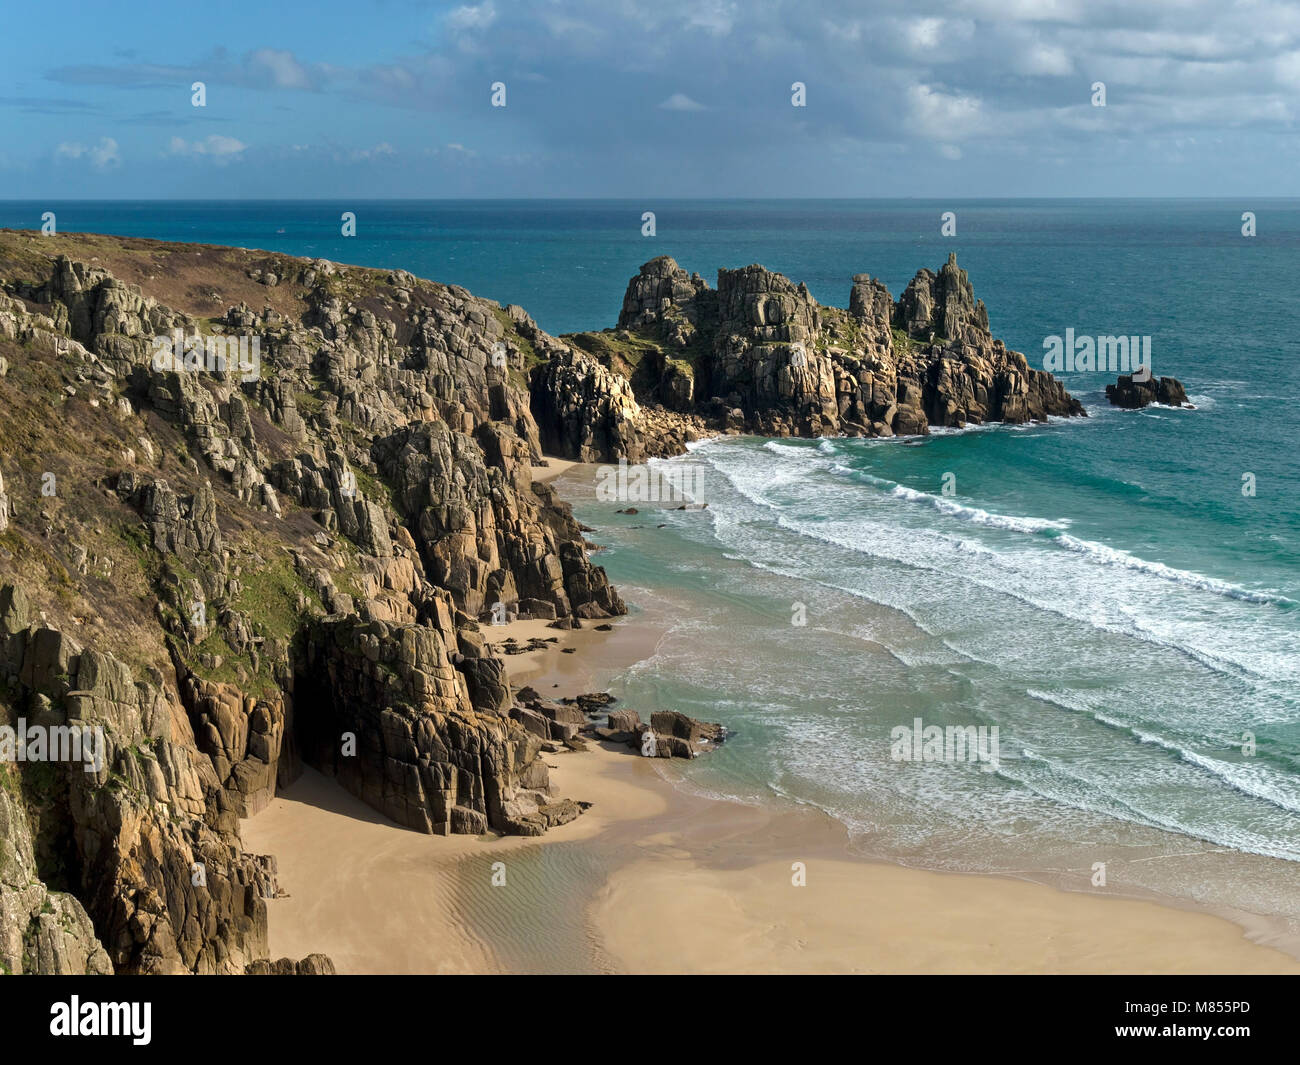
[(1133, 395), (223, 538), (763, 356), (678, 736), (872, 308), (942, 305), (488, 533), (248, 739), (586, 411), (394, 723), (663, 293), (760, 355), (669, 733), (135, 827), (312, 965)]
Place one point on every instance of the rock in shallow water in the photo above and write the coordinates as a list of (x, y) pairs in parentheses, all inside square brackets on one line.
[(1132, 394)]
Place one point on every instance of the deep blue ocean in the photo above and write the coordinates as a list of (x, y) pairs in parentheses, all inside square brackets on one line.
[(1102, 589)]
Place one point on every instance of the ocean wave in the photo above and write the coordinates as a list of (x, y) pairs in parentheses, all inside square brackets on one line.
[(1214, 663), (1027, 578), (952, 509), (1105, 555), (696, 445), (777, 447), (1051, 530), (976, 514), (1092, 800), (1282, 670), (1256, 781)]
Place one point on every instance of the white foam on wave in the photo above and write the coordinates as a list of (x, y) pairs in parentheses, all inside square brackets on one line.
[(1087, 797), (1021, 575), (1114, 556), (1256, 780), (1096, 551), (976, 514), (779, 448), (696, 445), (1253, 661)]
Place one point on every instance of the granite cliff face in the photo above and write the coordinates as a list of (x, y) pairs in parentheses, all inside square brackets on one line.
[(140, 854), (758, 354), (253, 508), (230, 569)]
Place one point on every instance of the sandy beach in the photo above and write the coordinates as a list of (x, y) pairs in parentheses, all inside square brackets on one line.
[(689, 885), (719, 896), (654, 879)]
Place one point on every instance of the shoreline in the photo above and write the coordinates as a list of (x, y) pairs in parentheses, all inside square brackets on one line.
[(655, 878), (687, 884)]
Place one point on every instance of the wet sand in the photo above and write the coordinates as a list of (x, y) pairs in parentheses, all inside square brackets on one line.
[(655, 879)]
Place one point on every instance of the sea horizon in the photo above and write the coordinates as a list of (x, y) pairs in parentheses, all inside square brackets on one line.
[(632, 198)]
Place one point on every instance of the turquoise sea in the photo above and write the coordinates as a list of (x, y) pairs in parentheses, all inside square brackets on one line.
[(1102, 590)]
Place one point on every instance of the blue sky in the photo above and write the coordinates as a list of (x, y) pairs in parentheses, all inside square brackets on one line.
[(612, 98)]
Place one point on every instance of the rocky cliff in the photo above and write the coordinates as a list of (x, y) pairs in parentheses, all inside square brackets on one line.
[(251, 508), (759, 354)]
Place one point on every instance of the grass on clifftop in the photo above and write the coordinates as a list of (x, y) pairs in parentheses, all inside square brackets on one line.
[(623, 350), (199, 279)]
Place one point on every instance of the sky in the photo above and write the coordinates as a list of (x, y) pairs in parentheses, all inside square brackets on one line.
[(653, 98)]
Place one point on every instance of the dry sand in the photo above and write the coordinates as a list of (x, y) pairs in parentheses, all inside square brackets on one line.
[(554, 468), (382, 899), (671, 882), (653, 879)]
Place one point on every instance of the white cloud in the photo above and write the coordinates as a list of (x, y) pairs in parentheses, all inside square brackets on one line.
[(215, 146), (101, 156), (382, 149), (715, 17), (1038, 58), (1029, 10), (1286, 68), (925, 32), (285, 70), (472, 17), (943, 116), (679, 101)]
